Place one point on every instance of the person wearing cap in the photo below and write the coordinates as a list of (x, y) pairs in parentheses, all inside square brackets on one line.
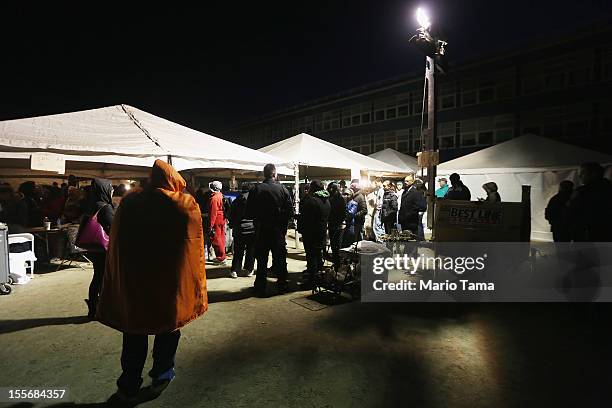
[(217, 222), (441, 192)]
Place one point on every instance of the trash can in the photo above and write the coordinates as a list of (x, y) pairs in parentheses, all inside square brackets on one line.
[(5, 288)]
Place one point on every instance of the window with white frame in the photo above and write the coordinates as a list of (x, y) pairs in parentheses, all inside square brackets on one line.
[(446, 135)]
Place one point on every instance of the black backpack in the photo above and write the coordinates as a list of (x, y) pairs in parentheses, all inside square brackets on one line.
[(227, 208)]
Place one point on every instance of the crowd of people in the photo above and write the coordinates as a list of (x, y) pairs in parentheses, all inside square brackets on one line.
[(150, 277)]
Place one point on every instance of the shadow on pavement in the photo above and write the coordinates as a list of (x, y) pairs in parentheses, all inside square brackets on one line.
[(10, 326)]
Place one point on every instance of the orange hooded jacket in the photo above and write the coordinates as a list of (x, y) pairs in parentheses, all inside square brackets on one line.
[(155, 281)]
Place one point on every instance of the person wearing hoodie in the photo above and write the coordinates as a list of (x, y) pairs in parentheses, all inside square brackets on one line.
[(312, 224), (492, 195), (100, 206), (361, 211), (155, 279)]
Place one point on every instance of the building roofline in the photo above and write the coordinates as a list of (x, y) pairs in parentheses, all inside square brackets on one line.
[(414, 76)]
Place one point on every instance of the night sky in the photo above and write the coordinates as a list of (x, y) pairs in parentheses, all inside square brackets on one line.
[(212, 67)]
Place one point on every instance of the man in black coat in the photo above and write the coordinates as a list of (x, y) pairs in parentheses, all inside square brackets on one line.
[(312, 224), (362, 209), (458, 190), (557, 212), (243, 231), (337, 214), (590, 206), (412, 201), (389, 207), (270, 207)]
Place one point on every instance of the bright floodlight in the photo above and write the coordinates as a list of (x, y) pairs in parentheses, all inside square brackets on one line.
[(423, 18)]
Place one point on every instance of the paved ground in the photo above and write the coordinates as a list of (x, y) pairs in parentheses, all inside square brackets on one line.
[(272, 352)]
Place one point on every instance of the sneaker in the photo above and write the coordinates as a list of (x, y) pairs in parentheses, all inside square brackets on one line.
[(219, 262), (251, 273), (157, 387), (233, 275)]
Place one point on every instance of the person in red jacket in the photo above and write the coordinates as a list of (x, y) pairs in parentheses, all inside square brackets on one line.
[(217, 221)]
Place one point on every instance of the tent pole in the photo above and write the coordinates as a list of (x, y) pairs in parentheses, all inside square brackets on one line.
[(296, 173)]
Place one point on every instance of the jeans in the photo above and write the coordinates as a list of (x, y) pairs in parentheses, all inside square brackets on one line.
[(379, 228), (335, 239), (244, 245), (98, 259), (134, 355), (270, 240)]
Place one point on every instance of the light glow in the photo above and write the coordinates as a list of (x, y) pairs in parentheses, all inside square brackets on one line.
[(423, 18)]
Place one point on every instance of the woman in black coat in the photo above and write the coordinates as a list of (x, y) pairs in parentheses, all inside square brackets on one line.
[(312, 224), (100, 203)]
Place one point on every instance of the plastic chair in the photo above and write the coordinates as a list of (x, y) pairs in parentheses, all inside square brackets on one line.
[(71, 251), (21, 261)]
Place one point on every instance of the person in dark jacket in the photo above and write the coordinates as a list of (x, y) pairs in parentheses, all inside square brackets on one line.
[(312, 224), (32, 200), (590, 206), (389, 206), (457, 190), (335, 223), (492, 194), (270, 207), (362, 210), (101, 206), (243, 231), (412, 202), (557, 212)]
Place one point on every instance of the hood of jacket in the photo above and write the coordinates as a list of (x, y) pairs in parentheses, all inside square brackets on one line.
[(101, 191), (165, 177)]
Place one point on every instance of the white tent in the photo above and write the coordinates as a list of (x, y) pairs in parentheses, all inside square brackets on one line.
[(319, 158), (118, 141), (531, 160), (400, 160)]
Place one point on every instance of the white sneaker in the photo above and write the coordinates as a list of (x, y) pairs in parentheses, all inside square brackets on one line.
[(233, 275), (251, 274)]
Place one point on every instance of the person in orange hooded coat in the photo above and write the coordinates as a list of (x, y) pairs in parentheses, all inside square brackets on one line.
[(155, 281)]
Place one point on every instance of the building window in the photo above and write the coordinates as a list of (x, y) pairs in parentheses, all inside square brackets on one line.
[(391, 113), (356, 120), (417, 107), (554, 80), (469, 98), (532, 85), (486, 94), (447, 142), (402, 146), (380, 115), (505, 91), (365, 118), (447, 102), (579, 77), (468, 140), (346, 122), (402, 110), (485, 138), (503, 135)]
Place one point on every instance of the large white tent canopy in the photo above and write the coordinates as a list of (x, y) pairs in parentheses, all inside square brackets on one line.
[(398, 159), (117, 141), (532, 160), (320, 158)]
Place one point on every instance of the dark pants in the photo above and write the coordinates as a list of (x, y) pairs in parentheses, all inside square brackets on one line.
[(313, 245), (335, 239), (358, 232), (270, 240), (98, 259), (244, 248), (134, 355), (562, 235)]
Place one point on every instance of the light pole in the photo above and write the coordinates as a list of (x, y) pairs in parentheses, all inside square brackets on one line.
[(434, 50)]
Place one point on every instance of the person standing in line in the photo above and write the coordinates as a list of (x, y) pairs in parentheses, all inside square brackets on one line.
[(378, 227), (335, 223), (557, 212), (217, 222), (441, 192), (361, 211), (270, 207), (155, 279), (457, 190), (243, 231), (100, 206), (312, 224), (389, 206), (492, 194), (412, 202)]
